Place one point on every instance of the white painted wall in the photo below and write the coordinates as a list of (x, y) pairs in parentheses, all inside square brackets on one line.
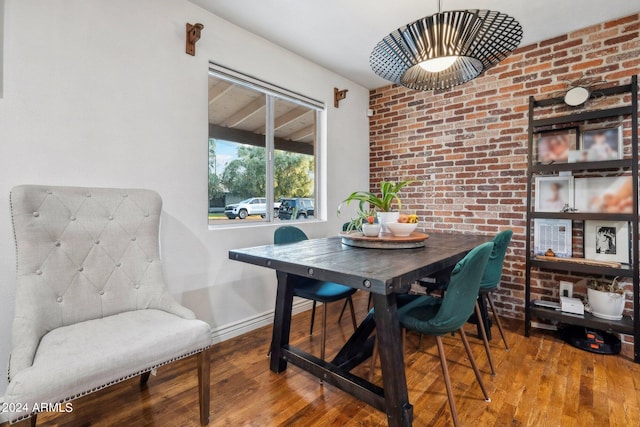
[(101, 93)]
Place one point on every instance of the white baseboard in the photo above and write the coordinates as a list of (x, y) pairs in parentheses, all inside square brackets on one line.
[(235, 329)]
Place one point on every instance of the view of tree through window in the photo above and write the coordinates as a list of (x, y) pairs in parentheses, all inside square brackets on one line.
[(261, 153)]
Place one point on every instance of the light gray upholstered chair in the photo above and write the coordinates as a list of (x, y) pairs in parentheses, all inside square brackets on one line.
[(92, 308)]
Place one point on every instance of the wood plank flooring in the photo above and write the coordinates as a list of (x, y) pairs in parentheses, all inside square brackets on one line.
[(541, 382)]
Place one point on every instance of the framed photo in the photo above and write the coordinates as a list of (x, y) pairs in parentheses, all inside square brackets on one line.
[(553, 146), (553, 193), (602, 144), (612, 194), (607, 241), (554, 234)]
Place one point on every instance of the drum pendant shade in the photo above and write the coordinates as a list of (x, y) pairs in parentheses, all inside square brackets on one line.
[(471, 41)]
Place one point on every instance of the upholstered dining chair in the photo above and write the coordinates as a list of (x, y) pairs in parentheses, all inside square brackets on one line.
[(92, 308), (315, 290), (490, 281), (439, 316)]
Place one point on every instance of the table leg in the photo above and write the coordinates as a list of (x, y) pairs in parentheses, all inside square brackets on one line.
[(399, 410), (281, 321)]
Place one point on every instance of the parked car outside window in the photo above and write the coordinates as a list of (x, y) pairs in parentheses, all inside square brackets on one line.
[(296, 208), (253, 206)]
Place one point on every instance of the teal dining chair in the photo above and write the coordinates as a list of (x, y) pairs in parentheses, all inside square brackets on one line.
[(315, 290), (439, 316)]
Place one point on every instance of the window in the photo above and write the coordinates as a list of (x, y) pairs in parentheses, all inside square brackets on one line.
[(262, 150)]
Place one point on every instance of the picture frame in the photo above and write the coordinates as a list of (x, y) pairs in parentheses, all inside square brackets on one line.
[(554, 193), (553, 146), (602, 144), (554, 234), (607, 241), (611, 194)]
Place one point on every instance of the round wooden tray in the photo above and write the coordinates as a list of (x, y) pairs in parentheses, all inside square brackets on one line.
[(385, 240)]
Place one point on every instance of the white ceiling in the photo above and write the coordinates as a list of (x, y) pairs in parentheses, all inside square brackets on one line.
[(340, 34)]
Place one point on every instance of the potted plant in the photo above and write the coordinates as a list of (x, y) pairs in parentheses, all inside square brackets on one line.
[(366, 222), (383, 204), (606, 300)]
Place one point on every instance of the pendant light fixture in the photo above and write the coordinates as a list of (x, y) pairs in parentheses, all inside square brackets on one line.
[(445, 49)]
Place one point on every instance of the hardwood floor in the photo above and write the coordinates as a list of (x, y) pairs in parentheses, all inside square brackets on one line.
[(541, 382)]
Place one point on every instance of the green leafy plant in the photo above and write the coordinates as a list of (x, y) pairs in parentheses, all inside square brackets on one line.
[(383, 203), (363, 216), (603, 286)]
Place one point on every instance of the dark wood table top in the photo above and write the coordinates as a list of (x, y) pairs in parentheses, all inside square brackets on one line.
[(380, 271)]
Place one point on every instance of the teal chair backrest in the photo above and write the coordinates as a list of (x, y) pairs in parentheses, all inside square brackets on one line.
[(288, 234), (460, 299), (493, 271)]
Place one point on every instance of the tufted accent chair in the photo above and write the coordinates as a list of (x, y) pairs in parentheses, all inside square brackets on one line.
[(92, 308)]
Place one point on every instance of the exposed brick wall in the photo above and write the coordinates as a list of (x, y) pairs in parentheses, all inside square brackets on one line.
[(469, 143)]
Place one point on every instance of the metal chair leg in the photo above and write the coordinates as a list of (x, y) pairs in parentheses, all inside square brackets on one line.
[(495, 315), (353, 313), (344, 307), (313, 318), (324, 330), (483, 332), (447, 381), (472, 360), (349, 301), (374, 357)]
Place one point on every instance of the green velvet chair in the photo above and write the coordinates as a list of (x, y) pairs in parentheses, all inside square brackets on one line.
[(315, 290), (439, 316), (490, 281)]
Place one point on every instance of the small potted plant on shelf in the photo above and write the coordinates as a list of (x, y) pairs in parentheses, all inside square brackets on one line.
[(383, 204), (606, 299)]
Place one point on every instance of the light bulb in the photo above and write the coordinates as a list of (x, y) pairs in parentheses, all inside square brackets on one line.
[(436, 65)]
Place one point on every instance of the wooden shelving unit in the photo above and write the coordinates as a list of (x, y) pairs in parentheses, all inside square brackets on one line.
[(628, 110)]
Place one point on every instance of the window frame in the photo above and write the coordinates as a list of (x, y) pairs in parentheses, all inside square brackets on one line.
[(271, 93)]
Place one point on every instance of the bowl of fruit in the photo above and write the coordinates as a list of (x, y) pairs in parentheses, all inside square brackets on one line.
[(405, 226)]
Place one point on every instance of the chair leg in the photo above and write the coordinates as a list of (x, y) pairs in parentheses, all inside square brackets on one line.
[(313, 318), (374, 357), (447, 381), (472, 360), (144, 377), (495, 315), (204, 377), (344, 307), (483, 332), (324, 331), (353, 313)]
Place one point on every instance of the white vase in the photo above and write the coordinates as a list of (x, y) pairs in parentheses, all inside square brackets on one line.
[(606, 305), (371, 230), (385, 217)]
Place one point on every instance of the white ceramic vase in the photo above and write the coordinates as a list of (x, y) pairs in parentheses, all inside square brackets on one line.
[(606, 305), (371, 230), (385, 217)]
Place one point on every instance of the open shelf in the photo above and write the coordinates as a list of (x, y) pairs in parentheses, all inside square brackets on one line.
[(624, 326), (582, 216), (624, 271), (583, 166), (550, 117)]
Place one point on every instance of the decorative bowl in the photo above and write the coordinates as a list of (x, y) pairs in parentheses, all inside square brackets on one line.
[(401, 229)]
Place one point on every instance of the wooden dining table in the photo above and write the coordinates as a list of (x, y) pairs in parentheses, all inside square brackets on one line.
[(384, 273)]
